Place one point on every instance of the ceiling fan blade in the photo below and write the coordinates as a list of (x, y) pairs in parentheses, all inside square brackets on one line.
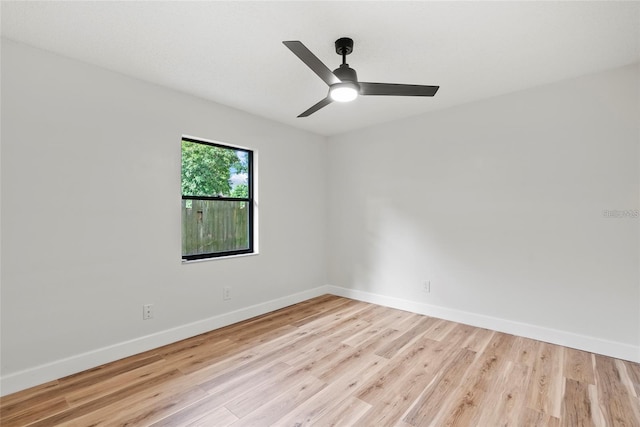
[(316, 107), (396, 89), (312, 62)]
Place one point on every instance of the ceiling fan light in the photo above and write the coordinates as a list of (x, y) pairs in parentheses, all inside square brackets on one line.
[(343, 92)]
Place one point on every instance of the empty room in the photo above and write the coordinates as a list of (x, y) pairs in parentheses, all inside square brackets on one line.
[(233, 213)]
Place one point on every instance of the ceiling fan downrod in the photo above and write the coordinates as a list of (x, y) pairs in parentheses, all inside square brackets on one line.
[(344, 46)]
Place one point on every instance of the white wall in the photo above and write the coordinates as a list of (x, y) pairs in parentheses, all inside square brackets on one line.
[(500, 205), (91, 217)]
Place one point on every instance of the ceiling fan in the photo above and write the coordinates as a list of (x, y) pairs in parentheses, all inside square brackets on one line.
[(343, 81)]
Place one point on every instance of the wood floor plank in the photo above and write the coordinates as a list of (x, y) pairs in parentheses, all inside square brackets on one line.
[(110, 385), (325, 401), (438, 330), (330, 367), (547, 381), (335, 322), (249, 366), (195, 413), (239, 363), (380, 319), (331, 361), (21, 400), (264, 332), (578, 366), (348, 364), (224, 393), (439, 391), (597, 415), (211, 371), (343, 330), (335, 307), (146, 408), (34, 412), (390, 377), (262, 394), (533, 418), (315, 359), (466, 403), (48, 396), (376, 342), (617, 405), (283, 403), (346, 413), (221, 417), (626, 377), (111, 399), (396, 345), (500, 346), (633, 370), (576, 408), (478, 340), (525, 351), (204, 354), (509, 397), (458, 334), (391, 402), (106, 371), (235, 388)]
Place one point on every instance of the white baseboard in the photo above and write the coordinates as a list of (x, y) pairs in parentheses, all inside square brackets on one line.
[(553, 336), (60, 368)]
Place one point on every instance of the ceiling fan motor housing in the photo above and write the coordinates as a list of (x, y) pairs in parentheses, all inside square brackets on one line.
[(346, 73)]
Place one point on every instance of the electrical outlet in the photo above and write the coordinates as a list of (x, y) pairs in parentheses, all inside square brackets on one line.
[(426, 286), (226, 293), (147, 311)]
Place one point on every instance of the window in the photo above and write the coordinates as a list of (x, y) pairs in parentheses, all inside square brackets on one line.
[(217, 200)]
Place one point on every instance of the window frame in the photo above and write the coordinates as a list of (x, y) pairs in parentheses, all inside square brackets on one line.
[(249, 200)]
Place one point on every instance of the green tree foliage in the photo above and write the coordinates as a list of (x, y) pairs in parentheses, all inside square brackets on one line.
[(206, 169), (240, 190)]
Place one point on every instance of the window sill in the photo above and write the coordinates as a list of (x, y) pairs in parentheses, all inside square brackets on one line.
[(193, 261)]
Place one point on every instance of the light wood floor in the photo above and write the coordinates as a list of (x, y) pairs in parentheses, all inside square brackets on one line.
[(334, 361)]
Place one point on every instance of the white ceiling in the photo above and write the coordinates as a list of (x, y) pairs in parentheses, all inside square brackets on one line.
[(231, 52)]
